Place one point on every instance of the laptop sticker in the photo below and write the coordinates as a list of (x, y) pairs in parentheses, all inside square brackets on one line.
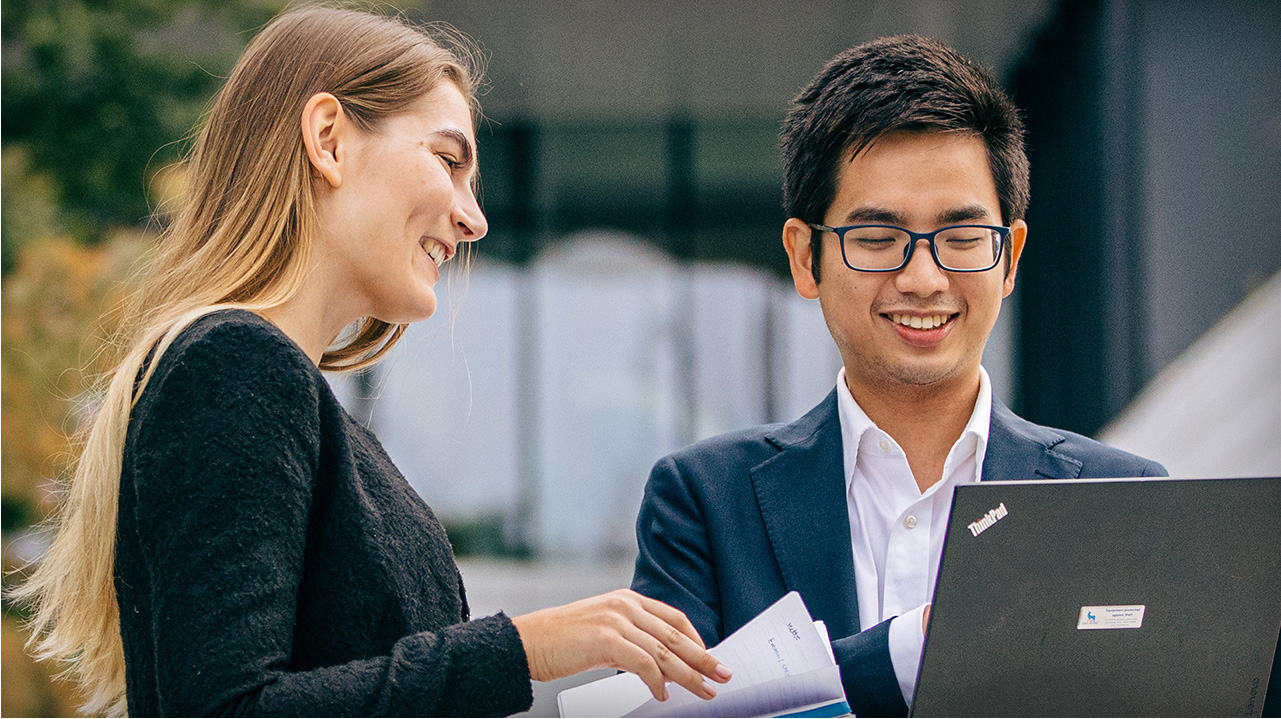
[(1114, 616)]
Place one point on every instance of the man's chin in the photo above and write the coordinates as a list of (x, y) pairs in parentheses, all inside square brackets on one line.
[(920, 375)]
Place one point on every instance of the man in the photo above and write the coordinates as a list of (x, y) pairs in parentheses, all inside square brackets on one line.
[(906, 183)]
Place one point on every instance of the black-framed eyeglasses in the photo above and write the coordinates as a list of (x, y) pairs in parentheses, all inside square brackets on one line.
[(886, 248)]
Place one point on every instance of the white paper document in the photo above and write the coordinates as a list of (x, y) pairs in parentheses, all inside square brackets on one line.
[(782, 663)]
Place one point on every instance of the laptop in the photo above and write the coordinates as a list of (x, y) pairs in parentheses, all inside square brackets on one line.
[(1118, 597)]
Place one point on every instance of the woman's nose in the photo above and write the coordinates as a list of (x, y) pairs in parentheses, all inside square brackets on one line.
[(469, 220)]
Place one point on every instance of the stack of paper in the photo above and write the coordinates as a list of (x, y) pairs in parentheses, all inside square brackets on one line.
[(782, 663)]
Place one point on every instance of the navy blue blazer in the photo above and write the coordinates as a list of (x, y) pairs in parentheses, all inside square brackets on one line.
[(731, 524)]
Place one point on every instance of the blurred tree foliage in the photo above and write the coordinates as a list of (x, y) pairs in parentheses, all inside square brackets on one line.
[(102, 93), (51, 327), (100, 98)]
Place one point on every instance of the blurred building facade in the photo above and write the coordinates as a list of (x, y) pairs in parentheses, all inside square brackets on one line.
[(632, 296), (534, 404), (1155, 140)]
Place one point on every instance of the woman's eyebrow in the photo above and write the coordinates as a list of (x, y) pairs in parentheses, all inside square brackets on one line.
[(467, 153)]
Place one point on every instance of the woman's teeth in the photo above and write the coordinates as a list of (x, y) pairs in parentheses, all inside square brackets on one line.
[(921, 323), (436, 251)]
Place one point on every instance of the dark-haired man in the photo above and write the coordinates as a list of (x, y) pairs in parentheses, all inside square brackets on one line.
[(906, 182)]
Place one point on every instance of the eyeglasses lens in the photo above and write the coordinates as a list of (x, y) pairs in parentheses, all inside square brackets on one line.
[(958, 248)]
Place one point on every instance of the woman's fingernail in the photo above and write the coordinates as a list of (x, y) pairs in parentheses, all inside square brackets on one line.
[(709, 689), (723, 671)]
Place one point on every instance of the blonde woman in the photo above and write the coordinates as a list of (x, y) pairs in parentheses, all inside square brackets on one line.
[(233, 542)]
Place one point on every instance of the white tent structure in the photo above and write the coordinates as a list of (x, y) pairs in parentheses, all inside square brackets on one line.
[(1216, 410)]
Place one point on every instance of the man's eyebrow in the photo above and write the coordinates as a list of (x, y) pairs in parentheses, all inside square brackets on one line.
[(871, 214), (874, 215), (467, 153), (959, 215)]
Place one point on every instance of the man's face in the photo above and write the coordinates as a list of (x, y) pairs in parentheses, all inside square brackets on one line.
[(920, 181)]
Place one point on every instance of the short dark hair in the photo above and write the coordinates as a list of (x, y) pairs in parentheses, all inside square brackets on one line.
[(900, 83)]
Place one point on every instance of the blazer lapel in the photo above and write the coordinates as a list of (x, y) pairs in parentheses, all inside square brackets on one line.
[(1018, 449), (801, 492)]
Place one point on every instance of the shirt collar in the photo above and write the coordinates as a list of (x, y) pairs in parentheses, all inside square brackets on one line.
[(855, 423)]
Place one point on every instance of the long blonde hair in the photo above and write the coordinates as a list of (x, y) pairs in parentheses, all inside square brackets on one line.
[(242, 238)]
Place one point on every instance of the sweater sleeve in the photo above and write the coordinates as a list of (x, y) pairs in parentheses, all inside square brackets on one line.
[(226, 453)]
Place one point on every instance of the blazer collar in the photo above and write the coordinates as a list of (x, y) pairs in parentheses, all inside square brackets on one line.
[(1018, 449), (801, 492)]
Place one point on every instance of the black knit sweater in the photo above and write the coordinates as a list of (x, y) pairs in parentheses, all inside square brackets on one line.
[(270, 560)]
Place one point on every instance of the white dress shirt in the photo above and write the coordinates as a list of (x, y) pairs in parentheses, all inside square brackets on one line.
[(896, 530)]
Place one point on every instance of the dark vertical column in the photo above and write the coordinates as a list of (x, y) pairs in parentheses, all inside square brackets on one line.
[(1126, 239), (681, 217), (682, 192), (1080, 332), (523, 169), (772, 368)]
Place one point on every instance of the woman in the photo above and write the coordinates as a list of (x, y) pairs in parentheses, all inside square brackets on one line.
[(232, 541)]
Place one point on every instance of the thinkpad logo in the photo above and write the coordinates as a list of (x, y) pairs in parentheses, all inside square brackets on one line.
[(980, 525)]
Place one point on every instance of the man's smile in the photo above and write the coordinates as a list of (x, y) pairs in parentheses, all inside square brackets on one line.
[(921, 322), (921, 329)]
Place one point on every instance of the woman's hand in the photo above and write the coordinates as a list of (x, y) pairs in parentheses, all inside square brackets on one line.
[(621, 630)]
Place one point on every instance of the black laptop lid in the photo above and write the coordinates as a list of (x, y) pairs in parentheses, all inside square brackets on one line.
[(1105, 598)]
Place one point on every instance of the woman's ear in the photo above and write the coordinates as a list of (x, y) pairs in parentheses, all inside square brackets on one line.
[(324, 129)]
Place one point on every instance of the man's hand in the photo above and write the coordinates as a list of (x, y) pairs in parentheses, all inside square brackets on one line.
[(925, 619), (621, 630)]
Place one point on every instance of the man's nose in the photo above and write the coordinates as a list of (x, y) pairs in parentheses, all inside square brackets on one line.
[(922, 276)]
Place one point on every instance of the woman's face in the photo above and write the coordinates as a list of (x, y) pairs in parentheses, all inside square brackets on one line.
[(403, 207)]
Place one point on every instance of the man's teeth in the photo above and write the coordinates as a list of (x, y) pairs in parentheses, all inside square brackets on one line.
[(921, 323)]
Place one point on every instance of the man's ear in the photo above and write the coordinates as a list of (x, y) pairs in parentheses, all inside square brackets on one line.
[(1018, 235), (800, 255), (324, 129)]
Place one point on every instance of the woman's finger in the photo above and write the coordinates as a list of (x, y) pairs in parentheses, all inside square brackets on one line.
[(672, 616), (673, 667), (619, 630), (628, 656), (684, 648)]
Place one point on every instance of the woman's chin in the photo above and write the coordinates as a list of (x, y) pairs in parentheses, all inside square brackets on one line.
[(417, 310)]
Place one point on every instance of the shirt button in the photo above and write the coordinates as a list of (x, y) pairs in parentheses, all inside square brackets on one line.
[(910, 521), (885, 445)]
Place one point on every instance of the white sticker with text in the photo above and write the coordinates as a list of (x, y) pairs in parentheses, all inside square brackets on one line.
[(1114, 616)]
